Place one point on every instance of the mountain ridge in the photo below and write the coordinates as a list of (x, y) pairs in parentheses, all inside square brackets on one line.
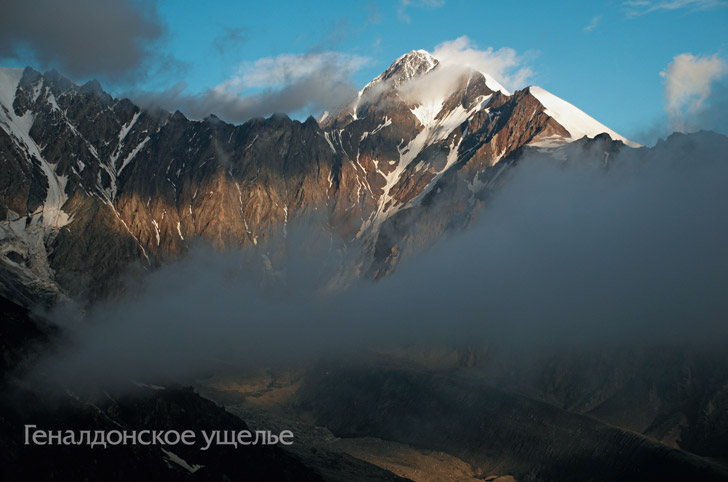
[(93, 184)]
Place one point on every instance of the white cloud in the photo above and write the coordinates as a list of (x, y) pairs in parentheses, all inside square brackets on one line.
[(593, 24), (636, 8), (403, 4), (504, 64), (688, 81), (288, 83), (285, 69), (314, 82)]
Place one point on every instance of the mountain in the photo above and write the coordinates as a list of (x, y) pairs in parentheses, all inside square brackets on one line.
[(91, 185)]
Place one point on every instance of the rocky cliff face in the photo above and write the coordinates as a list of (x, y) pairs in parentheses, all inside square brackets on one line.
[(91, 185)]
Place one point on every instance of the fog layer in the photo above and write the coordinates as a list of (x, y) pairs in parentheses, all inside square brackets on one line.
[(621, 247)]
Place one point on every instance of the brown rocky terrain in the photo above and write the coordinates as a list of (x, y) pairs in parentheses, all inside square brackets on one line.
[(91, 186)]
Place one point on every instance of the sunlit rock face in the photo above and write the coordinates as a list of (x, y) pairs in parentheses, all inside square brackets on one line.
[(91, 185)]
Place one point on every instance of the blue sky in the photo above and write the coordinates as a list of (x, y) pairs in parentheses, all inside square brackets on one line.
[(604, 57)]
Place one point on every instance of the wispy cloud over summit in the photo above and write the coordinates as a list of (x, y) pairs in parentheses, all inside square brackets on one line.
[(594, 23), (504, 64), (636, 8), (404, 4)]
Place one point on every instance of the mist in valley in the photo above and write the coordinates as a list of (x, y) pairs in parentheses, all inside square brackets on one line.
[(574, 250)]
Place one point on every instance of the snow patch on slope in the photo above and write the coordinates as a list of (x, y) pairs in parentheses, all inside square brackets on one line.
[(133, 154), (172, 457), (434, 130), (18, 128), (9, 80), (122, 135)]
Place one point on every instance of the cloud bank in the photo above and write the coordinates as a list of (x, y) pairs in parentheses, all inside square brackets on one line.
[(565, 253), (106, 38), (287, 83)]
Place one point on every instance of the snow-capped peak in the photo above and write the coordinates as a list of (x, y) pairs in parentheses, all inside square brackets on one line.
[(410, 65), (406, 67), (432, 61), (573, 119)]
